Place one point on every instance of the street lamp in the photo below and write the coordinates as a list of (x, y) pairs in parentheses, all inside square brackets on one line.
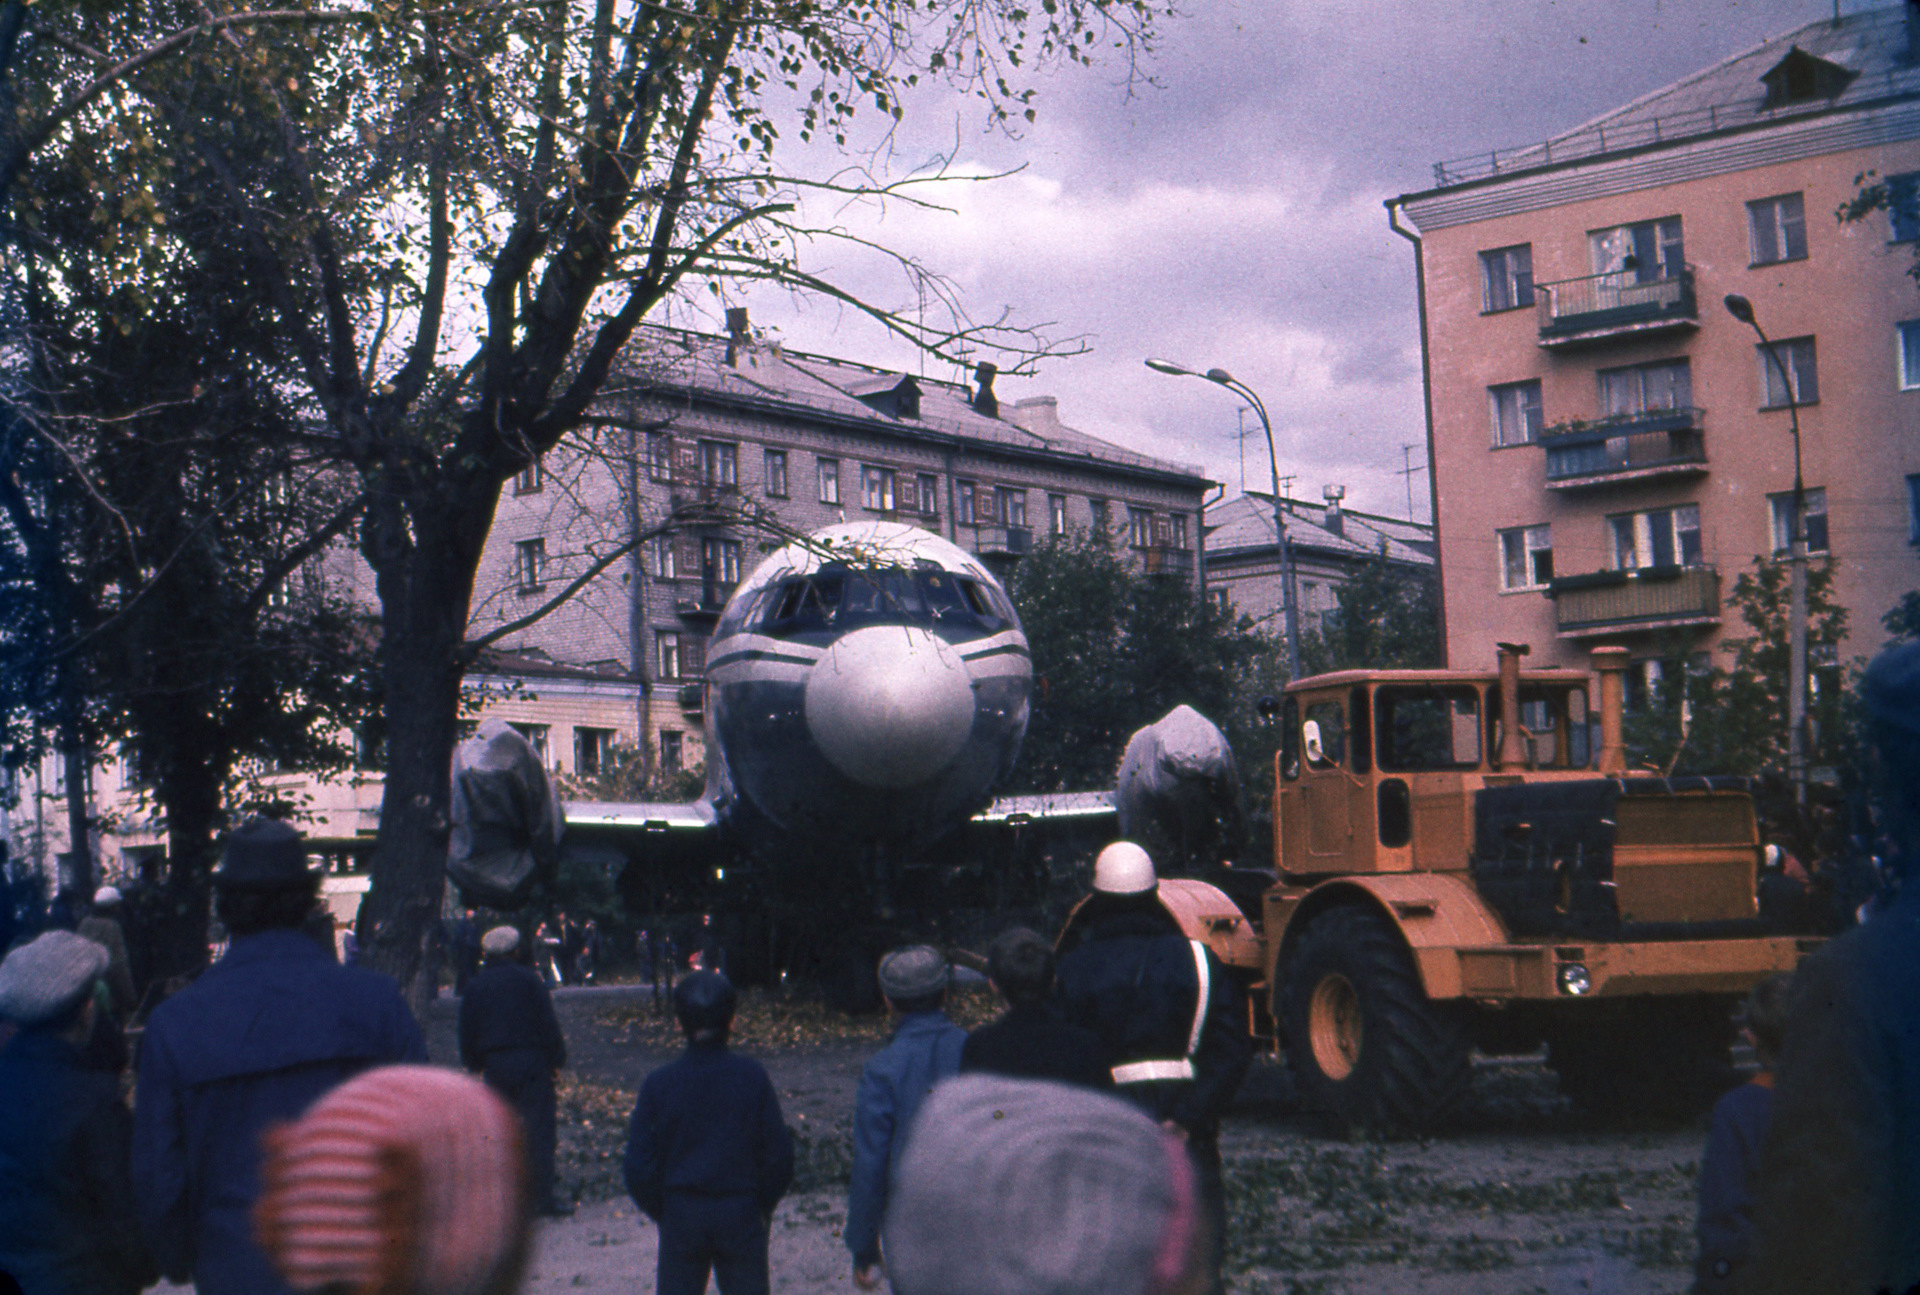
[(1288, 603), (1742, 309)]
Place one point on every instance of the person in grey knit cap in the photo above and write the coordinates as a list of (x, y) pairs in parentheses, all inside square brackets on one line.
[(1028, 1187)]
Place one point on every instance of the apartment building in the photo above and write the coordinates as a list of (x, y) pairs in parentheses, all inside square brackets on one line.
[(1330, 542), (1611, 448)]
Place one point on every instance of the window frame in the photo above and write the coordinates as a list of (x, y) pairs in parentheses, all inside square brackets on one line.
[(1640, 405), (668, 653), (532, 478), (966, 505), (879, 488), (826, 473), (1913, 508), (1903, 207), (1530, 432), (774, 473), (926, 493), (672, 750), (1527, 554), (659, 456), (1139, 527), (719, 464), (601, 742), (1814, 520), (530, 564), (1642, 523), (1516, 290), (1802, 373), (1056, 514), (1670, 254), (1782, 249), (1010, 506), (1906, 353)]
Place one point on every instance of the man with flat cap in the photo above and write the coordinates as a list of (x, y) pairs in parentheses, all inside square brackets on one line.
[(925, 1049), (65, 1195), (252, 1043), (1174, 1023), (510, 1037)]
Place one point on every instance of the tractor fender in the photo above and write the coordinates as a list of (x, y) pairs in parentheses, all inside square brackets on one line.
[(1205, 913), (1436, 915)]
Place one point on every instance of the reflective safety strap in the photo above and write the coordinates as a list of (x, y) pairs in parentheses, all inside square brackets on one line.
[(1140, 1072), (1206, 992)]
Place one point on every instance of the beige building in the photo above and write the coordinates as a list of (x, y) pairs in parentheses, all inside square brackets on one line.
[(1610, 447)]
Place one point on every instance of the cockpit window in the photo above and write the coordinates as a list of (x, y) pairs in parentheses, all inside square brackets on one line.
[(840, 599)]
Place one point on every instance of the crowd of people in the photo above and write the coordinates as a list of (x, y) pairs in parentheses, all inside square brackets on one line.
[(286, 1133)]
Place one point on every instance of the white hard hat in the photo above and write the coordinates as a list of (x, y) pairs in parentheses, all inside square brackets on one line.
[(106, 896), (1123, 868)]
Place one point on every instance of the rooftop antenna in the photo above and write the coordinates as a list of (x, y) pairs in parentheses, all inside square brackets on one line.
[(1241, 415), (1407, 471)]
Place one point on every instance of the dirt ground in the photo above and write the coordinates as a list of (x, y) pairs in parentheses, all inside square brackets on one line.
[(1520, 1194)]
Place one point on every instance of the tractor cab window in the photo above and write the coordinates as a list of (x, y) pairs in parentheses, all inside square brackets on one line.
[(1290, 739), (1323, 734), (1554, 722), (1426, 726)]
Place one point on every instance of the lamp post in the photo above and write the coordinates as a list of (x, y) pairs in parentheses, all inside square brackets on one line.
[(1288, 603), (1742, 309)]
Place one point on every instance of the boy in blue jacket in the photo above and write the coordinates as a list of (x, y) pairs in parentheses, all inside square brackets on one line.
[(708, 1152)]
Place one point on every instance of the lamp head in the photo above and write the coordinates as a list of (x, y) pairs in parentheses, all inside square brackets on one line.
[(1220, 376), (1168, 366), (1739, 307)]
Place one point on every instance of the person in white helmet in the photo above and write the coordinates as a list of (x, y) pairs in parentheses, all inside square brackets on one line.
[(1173, 1021)]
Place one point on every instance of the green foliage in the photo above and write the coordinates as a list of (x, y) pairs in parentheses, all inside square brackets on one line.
[(1902, 620), (1735, 716), (1873, 194), (1385, 618), (628, 776), (1114, 650)]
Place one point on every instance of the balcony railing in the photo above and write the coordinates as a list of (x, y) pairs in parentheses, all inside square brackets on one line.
[(707, 603), (1630, 447), (1651, 598), (1003, 541), (1601, 306), (1166, 560)]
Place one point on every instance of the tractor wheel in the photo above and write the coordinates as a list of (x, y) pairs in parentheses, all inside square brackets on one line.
[(1365, 1044), (1658, 1058)]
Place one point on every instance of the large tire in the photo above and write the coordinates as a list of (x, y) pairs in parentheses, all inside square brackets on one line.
[(1365, 1044), (1657, 1058)]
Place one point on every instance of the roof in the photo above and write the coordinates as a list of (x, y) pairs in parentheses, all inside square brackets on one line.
[(1245, 524), (1867, 51), (765, 374), (534, 663)]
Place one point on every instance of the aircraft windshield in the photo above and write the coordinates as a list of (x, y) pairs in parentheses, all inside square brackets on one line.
[(837, 599)]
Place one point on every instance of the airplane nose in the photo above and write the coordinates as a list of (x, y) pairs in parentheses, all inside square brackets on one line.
[(890, 706)]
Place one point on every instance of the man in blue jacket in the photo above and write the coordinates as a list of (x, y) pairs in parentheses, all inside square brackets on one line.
[(510, 1036), (924, 1050), (254, 1041), (708, 1152)]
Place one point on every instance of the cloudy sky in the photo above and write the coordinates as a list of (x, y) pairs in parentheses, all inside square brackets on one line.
[(1231, 214)]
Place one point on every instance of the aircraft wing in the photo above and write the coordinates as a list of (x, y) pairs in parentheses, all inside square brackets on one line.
[(1016, 811), (645, 816)]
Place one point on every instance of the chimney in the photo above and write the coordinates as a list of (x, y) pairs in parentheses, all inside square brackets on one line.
[(985, 403), (738, 334), (1513, 743), (1611, 664), (1334, 520)]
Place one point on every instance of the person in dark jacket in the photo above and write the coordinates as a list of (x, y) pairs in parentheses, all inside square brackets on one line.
[(1734, 1137), (708, 1152), (1032, 1040), (66, 1193), (510, 1037), (1839, 1186), (1174, 1023), (252, 1043), (925, 1049)]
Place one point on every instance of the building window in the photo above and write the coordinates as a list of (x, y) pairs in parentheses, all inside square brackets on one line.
[(1177, 530), (1102, 516), (1506, 278), (829, 472), (530, 478), (776, 474), (536, 735), (1640, 253), (1222, 599), (1663, 537), (1516, 412), (664, 555), (1056, 514), (1667, 384), (1910, 355), (720, 561), (719, 463), (529, 564), (659, 456), (1814, 515), (1913, 509), (592, 751), (1903, 207), (1526, 557), (1795, 356), (672, 752), (927, 494), (966, 502), (671, 660), (1777, 229), (876, 488), (1009, 506), (1139, 528)]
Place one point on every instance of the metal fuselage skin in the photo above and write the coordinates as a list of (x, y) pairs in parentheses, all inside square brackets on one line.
[(866, 689)]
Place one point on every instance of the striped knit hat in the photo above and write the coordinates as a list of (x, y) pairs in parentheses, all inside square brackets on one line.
[(1019, 1187), (408, 1180)]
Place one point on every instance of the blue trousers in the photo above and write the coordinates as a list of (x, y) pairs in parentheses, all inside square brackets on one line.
[(724, 1235)]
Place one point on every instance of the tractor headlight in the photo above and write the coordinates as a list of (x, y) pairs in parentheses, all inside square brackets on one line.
[(1574, 979)]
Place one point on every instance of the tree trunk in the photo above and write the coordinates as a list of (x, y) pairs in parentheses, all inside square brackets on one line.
[(189, 795), (78, 770)]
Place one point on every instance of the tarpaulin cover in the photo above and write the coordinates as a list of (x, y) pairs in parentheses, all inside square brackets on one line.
[(1177, 793), (507, 818), (1543, 856)]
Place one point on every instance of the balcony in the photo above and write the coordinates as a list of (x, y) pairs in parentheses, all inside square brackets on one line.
[(1166, 560), (706, 604), (1003, 541), (1630, 447), (1651, 598), (1602, 307)]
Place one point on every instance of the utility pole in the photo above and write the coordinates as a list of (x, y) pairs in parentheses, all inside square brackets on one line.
[(1408, 468)]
